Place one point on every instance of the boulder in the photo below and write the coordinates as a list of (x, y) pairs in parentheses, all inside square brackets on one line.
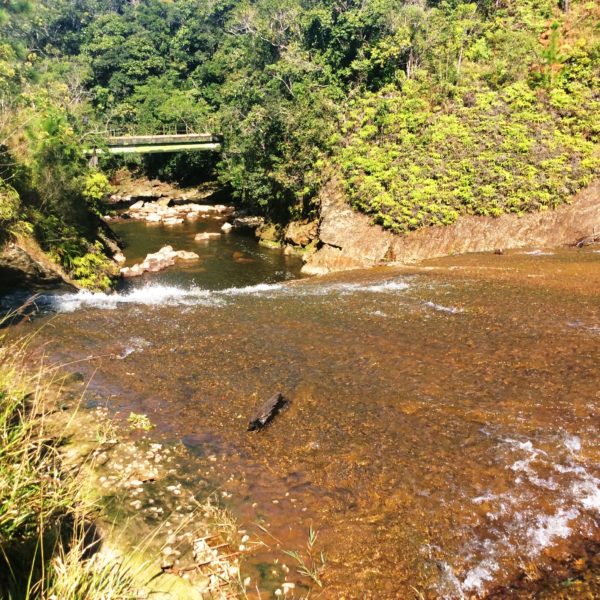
[(247, 223), (205, 236), (201, 208), (221, 208), (137, 205), (19, 268), (301, 233), (163, 201), (158, 261), (131, 271), (226, 227), (268, 232), (153, 218), (185, 255)]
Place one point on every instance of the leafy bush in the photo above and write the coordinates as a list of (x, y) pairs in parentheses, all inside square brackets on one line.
[(94, 270), (412, 158), (96, 188), (10, 204)]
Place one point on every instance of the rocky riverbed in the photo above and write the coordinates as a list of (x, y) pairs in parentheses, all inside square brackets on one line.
[(152, 517)]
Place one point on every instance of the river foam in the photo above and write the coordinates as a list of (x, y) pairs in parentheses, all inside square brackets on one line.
[(149, 295), (165, 295), (523, 510)]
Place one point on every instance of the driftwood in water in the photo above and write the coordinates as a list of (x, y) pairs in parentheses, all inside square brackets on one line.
[(267, 411)]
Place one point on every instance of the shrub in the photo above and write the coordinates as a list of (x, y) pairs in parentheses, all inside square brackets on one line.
[(96, 188), (10, 204), (94, 270)]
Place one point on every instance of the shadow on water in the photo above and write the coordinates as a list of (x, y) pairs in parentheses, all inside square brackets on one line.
[(229, 261)]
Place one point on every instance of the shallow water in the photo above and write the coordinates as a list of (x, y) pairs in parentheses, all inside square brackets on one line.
[(442, 430), (231, 260)]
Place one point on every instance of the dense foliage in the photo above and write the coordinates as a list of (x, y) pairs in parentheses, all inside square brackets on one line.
[(509, 124), (428, 109), (45, 182)]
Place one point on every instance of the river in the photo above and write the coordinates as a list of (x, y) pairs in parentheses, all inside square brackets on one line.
[(442, 432)]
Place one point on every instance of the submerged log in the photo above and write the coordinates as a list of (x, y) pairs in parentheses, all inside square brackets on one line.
[(267, 411)]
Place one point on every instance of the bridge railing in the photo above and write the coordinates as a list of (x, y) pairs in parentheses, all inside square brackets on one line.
[(164, 130)]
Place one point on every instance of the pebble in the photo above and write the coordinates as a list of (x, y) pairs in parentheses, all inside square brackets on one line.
[(102, 459)]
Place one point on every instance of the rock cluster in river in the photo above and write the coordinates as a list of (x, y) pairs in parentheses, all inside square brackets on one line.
[(298, 238), (162, 212), (247, 223), (158, 261), (206, 236)]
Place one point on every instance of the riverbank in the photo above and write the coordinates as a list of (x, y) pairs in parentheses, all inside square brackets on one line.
[(340, 239), (347, 239), (91, 505)]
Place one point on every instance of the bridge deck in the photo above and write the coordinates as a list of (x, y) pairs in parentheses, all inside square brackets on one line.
[(163, 140), (154, 144)]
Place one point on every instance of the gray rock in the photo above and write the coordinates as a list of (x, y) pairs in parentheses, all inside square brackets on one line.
[(19, 268), (158, 261), (205, 236), (247, 223)]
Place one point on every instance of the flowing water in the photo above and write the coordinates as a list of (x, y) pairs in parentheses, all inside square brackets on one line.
[(442, 431)]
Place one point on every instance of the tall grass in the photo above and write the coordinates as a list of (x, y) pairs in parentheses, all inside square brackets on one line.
[(49, 548)]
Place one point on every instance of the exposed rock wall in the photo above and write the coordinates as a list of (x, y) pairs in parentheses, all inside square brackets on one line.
[(22, 266), (349, 240)]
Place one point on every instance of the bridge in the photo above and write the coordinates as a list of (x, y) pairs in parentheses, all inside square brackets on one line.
[(154, 144)]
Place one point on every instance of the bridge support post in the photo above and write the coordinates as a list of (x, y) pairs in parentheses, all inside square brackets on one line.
[(93, 162)]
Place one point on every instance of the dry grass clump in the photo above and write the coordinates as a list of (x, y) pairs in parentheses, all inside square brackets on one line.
[(48, 545)]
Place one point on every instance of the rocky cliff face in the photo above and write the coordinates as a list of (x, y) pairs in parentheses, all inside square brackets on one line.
[(348, 239), (24, 267)]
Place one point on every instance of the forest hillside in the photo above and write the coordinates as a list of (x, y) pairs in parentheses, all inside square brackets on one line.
[(425, 110)]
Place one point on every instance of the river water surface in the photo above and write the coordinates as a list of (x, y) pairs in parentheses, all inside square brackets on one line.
[(443, 426)]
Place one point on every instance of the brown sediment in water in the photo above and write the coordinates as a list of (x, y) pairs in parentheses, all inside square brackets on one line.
[(576, 576), (572, 270), (442, 425)]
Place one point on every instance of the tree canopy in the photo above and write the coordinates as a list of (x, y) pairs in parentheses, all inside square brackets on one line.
[(426, 109)]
